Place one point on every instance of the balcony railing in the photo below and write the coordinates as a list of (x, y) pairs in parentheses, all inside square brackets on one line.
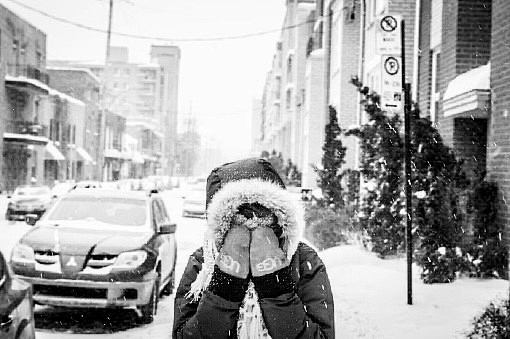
[(28, 71), (25, 127)]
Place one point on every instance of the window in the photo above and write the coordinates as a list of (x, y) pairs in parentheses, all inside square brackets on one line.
[(158, 216), (278, 87), (15, 48), (435, 88), (38, 59), (289, 68), (288, 99)]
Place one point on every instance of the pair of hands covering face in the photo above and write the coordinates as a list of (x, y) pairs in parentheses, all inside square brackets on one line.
[(255, 251)]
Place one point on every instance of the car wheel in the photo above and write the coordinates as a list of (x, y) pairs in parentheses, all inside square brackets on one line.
[(8, 215), (149, 310)]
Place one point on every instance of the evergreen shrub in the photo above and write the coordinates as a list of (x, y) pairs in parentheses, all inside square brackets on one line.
[(494, 322), (327, 227)]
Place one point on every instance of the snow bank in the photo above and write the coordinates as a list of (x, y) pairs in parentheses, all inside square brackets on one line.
[(371, 298)]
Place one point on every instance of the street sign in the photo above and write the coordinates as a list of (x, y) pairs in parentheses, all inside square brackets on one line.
[(388, 34), (391, 87)]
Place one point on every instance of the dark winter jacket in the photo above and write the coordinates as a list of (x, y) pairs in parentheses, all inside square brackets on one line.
[(304, 311)]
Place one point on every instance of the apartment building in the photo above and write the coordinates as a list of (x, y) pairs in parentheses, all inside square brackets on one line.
[(82, 84), (38, 122), (498, 150), (169, 59), (285, 88), (145, 94), (342, 19)]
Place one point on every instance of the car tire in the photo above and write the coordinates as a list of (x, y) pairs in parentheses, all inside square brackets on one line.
[(8, 216), (149, 310)]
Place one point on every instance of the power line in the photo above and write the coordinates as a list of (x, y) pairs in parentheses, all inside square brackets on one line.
[(163, 39)]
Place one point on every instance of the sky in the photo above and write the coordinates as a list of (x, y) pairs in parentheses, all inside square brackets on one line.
[(218, 80)]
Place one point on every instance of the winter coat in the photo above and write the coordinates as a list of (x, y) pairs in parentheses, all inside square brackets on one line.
[(306, 312)]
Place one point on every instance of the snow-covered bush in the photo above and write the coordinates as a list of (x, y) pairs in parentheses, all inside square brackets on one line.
[(439, 266), (327, 227), (381, 170), (329, 173), (487, 256), (493, 323), (439, 184)]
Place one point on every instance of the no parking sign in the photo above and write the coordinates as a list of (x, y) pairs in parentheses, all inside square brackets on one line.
[(391, 96)]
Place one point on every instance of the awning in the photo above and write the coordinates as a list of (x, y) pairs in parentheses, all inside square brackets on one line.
[(147, 157), (52, 153), (137, 158), (84, 155), (25, 138), (112, 153), (468, 95)]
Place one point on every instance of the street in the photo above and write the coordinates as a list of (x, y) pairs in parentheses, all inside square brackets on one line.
[(54, 322)]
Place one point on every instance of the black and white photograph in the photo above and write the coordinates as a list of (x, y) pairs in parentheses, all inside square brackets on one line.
[(254, 169)]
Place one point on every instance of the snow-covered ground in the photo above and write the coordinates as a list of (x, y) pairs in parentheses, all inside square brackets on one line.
[(370, 294), (371, 298)]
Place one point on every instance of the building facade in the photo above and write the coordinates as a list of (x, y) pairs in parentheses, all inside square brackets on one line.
[(145, 94), (498, 155), (40, 126), (82, 84)]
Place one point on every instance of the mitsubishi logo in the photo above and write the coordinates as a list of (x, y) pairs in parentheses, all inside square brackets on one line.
[(71, 262)]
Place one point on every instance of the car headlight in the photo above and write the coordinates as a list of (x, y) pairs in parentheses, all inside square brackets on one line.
[(130, 260), (23, 254)]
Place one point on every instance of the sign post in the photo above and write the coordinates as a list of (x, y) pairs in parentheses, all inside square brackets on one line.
[(396, 98)]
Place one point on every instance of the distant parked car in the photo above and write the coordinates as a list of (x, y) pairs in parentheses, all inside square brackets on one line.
[(100, 248), (87, 184), (28, 200), (16, 312), (194, 203)]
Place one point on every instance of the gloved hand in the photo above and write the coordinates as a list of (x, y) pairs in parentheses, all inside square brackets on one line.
[(234, 256), (269, 265), (229, 278), (266, 255)]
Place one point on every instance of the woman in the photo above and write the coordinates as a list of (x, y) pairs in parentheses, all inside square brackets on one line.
[(253, 277)]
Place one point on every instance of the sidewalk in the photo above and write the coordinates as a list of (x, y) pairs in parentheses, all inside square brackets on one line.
[(371, 298)]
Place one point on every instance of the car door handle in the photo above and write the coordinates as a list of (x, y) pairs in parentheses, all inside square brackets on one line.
[(6, 323)]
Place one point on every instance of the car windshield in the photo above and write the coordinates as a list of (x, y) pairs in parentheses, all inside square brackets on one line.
[(32, 191), (117, 211)]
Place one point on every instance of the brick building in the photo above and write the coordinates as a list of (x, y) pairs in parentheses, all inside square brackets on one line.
[(82, 84), (342, 49), (498, 157), (35, 125), (285, 88), (454, 86)]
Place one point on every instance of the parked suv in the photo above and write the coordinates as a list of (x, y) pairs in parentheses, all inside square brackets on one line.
[(100, 248), (28, 200)]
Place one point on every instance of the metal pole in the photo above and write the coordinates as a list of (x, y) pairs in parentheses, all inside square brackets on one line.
[(407, 169), (108, 36)]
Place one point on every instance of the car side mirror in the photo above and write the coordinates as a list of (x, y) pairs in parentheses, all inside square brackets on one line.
[(31, 219), (167, 228)]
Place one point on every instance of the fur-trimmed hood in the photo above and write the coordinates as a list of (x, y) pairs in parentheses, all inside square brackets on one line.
[(226, 201)]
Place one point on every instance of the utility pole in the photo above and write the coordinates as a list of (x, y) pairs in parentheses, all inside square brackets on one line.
[(104, 86), (108, 36)]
